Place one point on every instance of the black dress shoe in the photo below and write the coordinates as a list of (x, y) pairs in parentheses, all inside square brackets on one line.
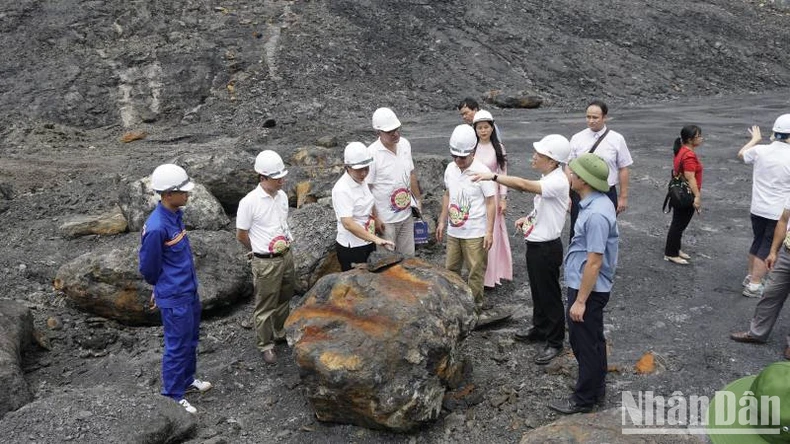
[(568, 407), (547, 355), (529, 335)]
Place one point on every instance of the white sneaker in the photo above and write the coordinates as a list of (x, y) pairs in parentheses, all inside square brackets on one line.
[(753, 291), (187, 406), (200, 386), (746, 280)]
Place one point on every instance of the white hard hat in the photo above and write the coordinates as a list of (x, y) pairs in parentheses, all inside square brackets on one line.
[(169, 177), (270, 164), (554, 146), (384, 119), (356, 156), (463, 141), (482, 116), (782, 124)]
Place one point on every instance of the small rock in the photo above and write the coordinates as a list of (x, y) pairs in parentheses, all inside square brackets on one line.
[(327, 141), (42, 340), (54, 323)]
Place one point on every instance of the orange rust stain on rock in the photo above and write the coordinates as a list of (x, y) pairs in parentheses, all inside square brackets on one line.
[(129, 300), (344, 296), (646, 364), (372, 325), (337, 361), (312, 333)]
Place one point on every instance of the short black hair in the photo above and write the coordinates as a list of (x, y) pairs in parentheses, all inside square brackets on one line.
[(469, 103), (599, 104)]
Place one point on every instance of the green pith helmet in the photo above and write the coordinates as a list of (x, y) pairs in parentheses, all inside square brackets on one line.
[(593, 170)]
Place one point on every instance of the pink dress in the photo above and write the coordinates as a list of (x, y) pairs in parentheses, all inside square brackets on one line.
[(500, 260)]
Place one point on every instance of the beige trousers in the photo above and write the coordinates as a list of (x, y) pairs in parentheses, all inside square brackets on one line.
[(471, 253), (273, 280)]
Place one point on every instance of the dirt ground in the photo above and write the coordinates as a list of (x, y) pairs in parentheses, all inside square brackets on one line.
[(683, 314), (200, 77)]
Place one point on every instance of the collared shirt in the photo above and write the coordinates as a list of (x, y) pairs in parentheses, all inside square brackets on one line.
[(389, 179), (770, 178), (612, 150), (595, 232), (352, 199), (467, 217), (265, 218), (550, 207), (166, 258)]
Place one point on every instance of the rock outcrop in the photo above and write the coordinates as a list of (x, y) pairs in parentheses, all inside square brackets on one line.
[(16, 328), (203, 212), (117, 414), (228, 175), (314, 228), (378, 349), (106, 281), (105, 224)]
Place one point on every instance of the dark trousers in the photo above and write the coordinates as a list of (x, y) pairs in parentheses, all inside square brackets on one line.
[(543, 268), (179, 360), (575, 199), (356, 255), (680, 220), (589, 347)]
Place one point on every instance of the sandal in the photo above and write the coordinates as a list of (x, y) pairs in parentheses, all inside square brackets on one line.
[(676, 259), (683, 255)]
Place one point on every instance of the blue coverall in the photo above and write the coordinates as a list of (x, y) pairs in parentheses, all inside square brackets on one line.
[(166, 263)]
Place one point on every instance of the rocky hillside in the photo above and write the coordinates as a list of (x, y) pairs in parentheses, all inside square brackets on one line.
[(237, 63)]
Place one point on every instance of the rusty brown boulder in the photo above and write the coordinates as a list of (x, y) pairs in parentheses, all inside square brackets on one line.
[(379, 349)]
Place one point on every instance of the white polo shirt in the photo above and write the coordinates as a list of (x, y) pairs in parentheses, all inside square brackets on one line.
[(352, 199), (549, 208), (266, 220), (612, 150), (467, 211), (389, 179), (770, 178)]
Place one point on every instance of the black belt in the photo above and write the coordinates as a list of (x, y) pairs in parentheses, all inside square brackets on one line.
[(269, 255), (544, 243)]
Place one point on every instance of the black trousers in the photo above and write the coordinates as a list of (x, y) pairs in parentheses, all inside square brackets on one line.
[(589, 347), (575, 199), (543, 268), (356, 255), (680, 220)]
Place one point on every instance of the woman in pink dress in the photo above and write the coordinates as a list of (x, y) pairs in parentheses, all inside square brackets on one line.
[(491, 153)]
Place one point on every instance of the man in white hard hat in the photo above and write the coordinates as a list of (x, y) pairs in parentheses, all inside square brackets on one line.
[(393, 181), (262, 228), (468, 212), (353, 204), (542, 229), (166, 263), (770, 188), (608, 145)]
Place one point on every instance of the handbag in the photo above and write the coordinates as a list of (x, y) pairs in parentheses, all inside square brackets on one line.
[(679, 193)]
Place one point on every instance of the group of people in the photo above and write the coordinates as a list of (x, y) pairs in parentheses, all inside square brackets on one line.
[(375, 198)]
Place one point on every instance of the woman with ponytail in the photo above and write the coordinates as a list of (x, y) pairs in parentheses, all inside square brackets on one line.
[(687, 164)]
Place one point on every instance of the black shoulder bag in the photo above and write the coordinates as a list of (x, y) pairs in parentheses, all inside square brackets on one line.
[(679, 193)]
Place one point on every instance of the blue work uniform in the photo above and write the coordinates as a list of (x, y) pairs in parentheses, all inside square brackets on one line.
[(595, 232), (166, 263)]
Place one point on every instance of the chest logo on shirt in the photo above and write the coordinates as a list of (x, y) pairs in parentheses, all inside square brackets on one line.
[(400, 198), (459, 212), (278, 244)]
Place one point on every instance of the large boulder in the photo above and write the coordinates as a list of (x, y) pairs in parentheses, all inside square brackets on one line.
[(16, 330), (203, 212), (105, 224), (117, 414), (312, 172), (379, 349), (314, 229), (106, 281), (227, 174)]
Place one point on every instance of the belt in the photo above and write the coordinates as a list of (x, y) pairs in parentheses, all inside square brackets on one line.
[(544, 243), (269, 255)]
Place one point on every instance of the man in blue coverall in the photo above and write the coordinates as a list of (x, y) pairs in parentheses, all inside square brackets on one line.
[(166, 263)]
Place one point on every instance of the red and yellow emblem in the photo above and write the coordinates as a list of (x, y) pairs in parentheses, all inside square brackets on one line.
[(400, 199), (278, 244)]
